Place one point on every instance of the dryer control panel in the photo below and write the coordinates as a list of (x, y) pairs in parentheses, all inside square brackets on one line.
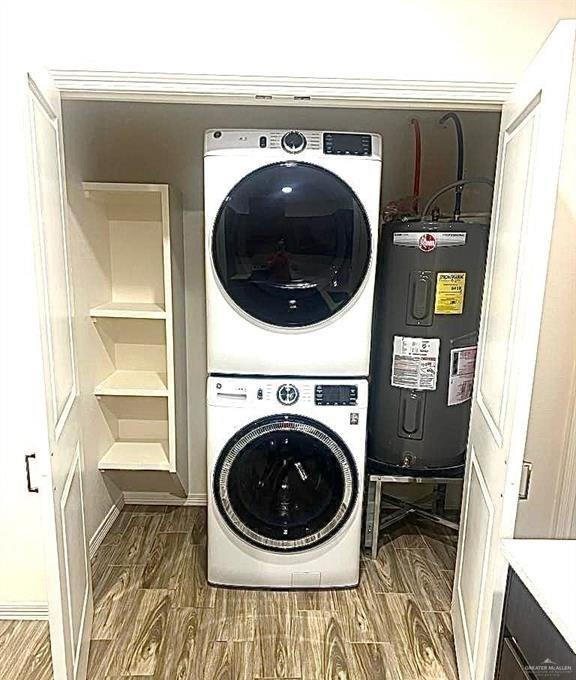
[(347, 144), (301, 144)]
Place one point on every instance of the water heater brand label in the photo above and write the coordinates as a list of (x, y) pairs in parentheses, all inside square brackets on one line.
[(450, 292), (429, 240), (461, 381), (415, 362)]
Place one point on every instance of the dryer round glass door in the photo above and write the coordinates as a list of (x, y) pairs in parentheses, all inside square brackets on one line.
[(285, 483), (291, 245)]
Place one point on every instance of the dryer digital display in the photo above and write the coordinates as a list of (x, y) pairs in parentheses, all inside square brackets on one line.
[(347, 144), (291, 245)]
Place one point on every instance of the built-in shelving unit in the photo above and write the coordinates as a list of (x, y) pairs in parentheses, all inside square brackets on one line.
[(136, 456), (140, 429), (138, 320), (129, 310), (133, 384)]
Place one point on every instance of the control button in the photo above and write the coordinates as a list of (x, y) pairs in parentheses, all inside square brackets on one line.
[(287, 394), (263, 142), (259, 394), (293, 142)]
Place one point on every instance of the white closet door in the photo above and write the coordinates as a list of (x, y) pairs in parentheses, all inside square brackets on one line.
[(532, 135), (68, 563)]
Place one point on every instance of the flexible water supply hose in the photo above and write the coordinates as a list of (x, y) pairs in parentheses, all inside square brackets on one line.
[(455, 185), (417, 163), (460, 163)]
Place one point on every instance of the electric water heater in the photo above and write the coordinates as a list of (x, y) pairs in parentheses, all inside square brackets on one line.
[(429, 283)]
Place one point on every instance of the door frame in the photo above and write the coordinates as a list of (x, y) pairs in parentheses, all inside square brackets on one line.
[(188, 88)]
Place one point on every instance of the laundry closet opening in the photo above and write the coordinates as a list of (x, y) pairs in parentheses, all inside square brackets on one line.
[(117, 255), (135, 179)]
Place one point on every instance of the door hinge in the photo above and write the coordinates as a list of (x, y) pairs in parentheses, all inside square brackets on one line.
[(31, 489), (525, 479)]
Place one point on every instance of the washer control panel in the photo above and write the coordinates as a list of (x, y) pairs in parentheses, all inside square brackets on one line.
[(336, 395), (293, 394)]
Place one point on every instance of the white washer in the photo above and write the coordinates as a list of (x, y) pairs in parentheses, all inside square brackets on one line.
[(291, 238), (285, 479)]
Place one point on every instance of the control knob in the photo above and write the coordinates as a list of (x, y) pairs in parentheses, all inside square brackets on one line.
[(287, 394), (293, 142)]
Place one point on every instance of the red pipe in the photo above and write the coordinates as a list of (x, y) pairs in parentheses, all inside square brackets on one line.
[(417, 163)]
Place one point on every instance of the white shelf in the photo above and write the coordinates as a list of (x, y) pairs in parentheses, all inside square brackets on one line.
[(137, 342), (136, 456), (129, 310), (133, 384)]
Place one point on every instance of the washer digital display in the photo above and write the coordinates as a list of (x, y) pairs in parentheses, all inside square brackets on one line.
[(336, 395)]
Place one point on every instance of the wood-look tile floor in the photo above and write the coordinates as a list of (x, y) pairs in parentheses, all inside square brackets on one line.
[(25, 650), (156, 617)]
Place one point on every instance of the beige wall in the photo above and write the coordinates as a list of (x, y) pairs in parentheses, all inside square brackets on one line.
[(90, 273), (470, 40), (164, 143)]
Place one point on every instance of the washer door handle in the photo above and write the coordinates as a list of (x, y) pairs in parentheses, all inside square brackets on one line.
[(231, 395)]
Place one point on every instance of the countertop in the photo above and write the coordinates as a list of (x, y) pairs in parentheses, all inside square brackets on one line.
[(548, 569)]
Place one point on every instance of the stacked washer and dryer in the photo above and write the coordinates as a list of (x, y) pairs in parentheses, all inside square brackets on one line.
[(291, 238)]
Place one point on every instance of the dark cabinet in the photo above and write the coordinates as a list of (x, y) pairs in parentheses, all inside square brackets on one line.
[(531, 648), (512, 665)]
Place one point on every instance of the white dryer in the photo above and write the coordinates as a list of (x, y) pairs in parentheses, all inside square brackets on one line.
[(285, 479), (291, 237)]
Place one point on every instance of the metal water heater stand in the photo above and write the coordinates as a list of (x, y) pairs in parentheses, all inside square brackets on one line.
[(374, 499)]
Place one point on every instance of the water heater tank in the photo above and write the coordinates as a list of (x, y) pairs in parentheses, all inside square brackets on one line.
[(428, 296)]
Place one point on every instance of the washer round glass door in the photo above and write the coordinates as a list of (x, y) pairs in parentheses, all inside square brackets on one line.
[(291, 245), (285, 483)]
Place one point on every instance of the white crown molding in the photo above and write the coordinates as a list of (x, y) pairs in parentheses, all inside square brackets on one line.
[(24, 610), (162, 498), (210, 89), (105, 526)]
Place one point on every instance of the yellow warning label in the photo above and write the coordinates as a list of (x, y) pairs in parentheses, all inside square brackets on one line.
[(450, 293)]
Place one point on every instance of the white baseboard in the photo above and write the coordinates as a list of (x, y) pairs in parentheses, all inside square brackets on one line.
[(105, 526), (24, 610), (162, 498)]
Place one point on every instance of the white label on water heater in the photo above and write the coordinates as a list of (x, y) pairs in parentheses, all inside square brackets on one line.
[(415, 362), (461, 380), (429, 240)]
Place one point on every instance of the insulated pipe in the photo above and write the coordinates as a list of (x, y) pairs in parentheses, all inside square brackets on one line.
[(455, 185), (417, 163), (460, 166)]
